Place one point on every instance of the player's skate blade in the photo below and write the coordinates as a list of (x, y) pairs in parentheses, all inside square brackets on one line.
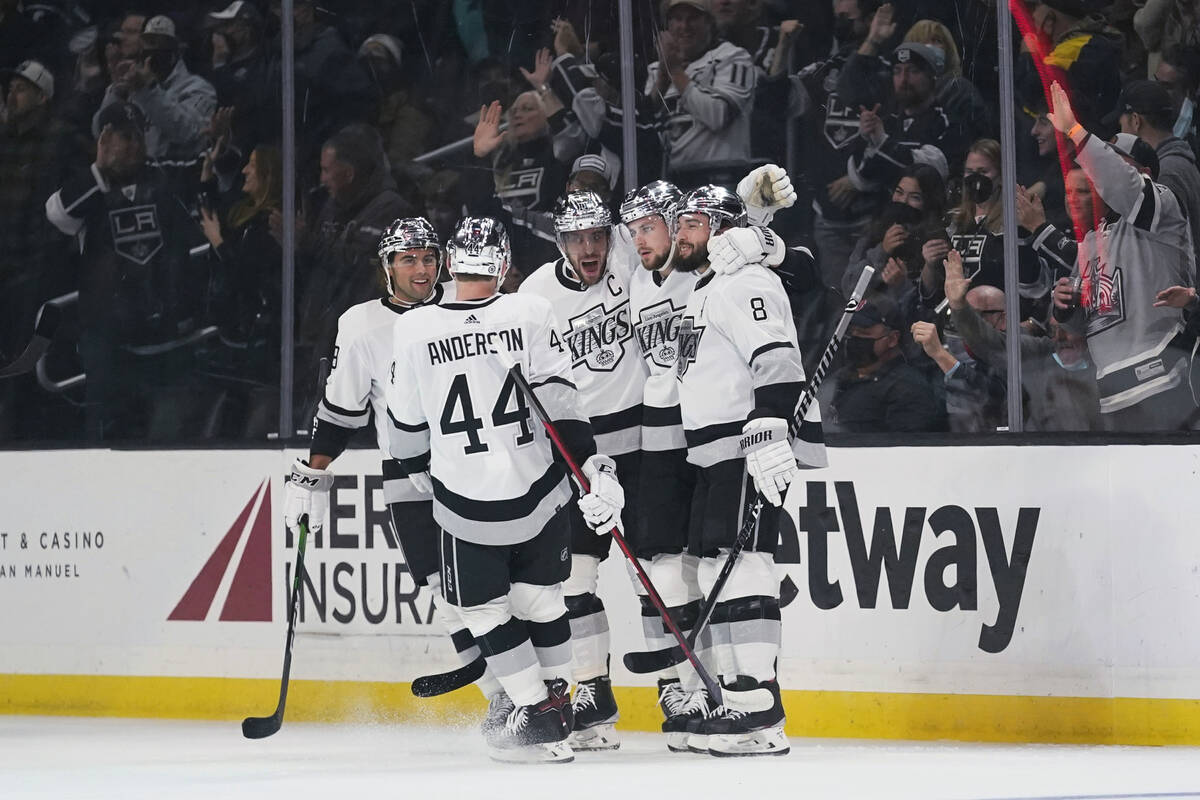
[(678, 742), (552, 753), (598, 737), (767, 742)]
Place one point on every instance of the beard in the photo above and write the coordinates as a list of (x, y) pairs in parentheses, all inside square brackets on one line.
[(655, 261), (693, 261)]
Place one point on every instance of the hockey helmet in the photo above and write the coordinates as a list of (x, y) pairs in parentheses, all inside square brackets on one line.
[(581, 211), (406, 233), (479, 246), (657, 197), (721, 206)]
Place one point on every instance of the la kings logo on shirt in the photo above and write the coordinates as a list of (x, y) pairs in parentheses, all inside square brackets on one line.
[(970, 246), (1105, 301), (689, 345), (523, 183), (136, 233), (597, 338), (658, 329)]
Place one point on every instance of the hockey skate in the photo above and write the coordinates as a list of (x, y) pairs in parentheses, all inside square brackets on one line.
[(500, 705), (670, 696), (749, 722), (595, 711), (683, 728), (536, 734)]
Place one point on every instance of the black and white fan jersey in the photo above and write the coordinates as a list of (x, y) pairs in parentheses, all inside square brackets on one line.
[(737, 355), (455, 407), (658, 305), (355, 392), (594, 330)]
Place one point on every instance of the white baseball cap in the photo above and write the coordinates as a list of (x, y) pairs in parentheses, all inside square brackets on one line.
[(37, 74)]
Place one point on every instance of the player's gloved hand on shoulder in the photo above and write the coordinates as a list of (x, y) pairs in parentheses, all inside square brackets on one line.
[(601, 506), (764, 191), (735, 248), (306, 494), (769, 458)]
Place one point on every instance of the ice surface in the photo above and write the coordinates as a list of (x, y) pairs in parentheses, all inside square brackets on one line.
[(112, 758)]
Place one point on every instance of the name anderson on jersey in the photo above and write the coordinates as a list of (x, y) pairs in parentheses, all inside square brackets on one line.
[(467, 345)]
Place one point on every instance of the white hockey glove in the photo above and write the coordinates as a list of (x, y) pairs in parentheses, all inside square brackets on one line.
[(764, 191), (602, 505), (737, 247), (769, 458), (306, 495), (421, 482)]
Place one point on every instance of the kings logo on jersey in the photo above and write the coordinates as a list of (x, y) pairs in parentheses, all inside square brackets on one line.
[(597, 338), (1104, 298), (136, 234), (689, 345), (970, 246), (658, 332)]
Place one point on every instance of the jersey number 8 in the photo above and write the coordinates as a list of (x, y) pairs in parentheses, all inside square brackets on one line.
[(458, 414)]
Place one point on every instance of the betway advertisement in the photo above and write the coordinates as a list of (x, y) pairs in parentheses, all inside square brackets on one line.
[(992, 570)]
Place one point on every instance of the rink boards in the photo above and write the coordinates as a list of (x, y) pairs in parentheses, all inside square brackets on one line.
[(977, 593)]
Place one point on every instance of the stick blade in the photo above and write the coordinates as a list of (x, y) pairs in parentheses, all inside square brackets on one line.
[(434, 685), (261, 727), (641, 662)]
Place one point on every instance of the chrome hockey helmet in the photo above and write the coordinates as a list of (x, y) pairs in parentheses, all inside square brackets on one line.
[(657, 197), (581, 211), (721, 206), (406, 233), (479, 246)]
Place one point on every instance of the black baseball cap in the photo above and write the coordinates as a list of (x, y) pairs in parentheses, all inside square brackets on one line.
[(1138, 150), (1148, 98), (124, 118), (879, 311)]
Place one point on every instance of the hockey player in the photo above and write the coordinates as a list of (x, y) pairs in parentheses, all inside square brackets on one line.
[(588, 292), (354, 396), (498, 496), (740, 378)]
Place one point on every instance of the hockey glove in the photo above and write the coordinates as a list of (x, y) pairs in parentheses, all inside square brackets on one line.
[(764, 191), (737, 247), (601, 507), (306, 495), (769, 458), (421, 482)]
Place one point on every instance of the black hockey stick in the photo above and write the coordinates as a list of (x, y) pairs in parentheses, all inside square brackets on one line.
[(48, 318), (446, 682), (684, 646), (262, 727), (655, 660)]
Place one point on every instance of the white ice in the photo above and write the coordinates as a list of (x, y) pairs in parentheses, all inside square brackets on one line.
[(110, 758)]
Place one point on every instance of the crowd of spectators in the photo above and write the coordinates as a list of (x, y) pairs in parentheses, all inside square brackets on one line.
[(141, 184)]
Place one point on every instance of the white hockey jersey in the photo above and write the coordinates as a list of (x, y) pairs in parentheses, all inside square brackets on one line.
[(453, 401), (658, 305), (355, 392), (710, 120), (738, 354), (595, 332)]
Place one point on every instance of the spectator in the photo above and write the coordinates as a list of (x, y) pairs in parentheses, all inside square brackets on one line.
[(704, 89), (138, 296), (244, 295), (1179, 73), (1145, 111), (407, 126), (1081, 51), (893, 242), (1140, 246), (242, 78), (177, 104), (1166, 24), (1045, 172), (831, 137), (958, 97), (914, 129), (528, 173), (33, 259), (339, 242), (877, 391), (593, 173), (977, 233), (976, 389)]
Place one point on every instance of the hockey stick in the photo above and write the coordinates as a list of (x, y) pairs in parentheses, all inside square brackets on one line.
[(446, 682), (684, 646), (655, 660), (48, 318), (262, 727)]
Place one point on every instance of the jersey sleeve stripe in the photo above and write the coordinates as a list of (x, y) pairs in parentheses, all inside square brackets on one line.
[(767, 348), (655, 417), (618, 420), (344, 412), (552, 379), (401, 426)]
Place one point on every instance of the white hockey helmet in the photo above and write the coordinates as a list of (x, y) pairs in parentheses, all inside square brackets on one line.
[(479, 246), (581, 211), (657, 197), (721, 206), (406, 233)]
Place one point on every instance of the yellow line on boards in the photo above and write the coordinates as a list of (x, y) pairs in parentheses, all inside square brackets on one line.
[(868, 715)]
